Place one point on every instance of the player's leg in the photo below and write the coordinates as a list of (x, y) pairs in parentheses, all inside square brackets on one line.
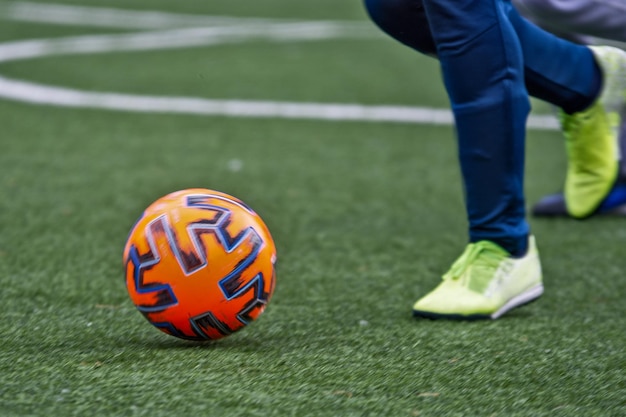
[(560, 72), (483, 70), (556, 71), (490, 104)]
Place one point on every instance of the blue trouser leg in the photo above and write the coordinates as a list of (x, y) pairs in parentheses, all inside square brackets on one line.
[(557, 71), (483, 71)]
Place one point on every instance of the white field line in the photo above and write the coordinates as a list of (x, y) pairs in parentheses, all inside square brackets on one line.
[(151, 20), (168, 39), (66, 97), (111, 18), (252, 30)]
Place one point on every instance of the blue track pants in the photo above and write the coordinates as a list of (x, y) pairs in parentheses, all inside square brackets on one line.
[(491, 60)]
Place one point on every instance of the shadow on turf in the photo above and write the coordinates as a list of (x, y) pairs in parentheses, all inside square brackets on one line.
[(164, 342), (425, 315), (256, 341)]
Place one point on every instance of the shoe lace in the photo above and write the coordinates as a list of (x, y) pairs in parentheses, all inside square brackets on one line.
[(481, 254)]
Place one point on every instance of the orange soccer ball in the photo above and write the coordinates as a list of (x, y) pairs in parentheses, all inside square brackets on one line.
[(200, 264)]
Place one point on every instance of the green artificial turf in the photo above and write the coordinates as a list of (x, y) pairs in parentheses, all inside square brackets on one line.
[(366, 217)]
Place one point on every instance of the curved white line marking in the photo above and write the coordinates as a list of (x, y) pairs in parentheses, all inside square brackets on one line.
[(205, 36), (169, 39), (145, 20), (62, 14), (66, 97)]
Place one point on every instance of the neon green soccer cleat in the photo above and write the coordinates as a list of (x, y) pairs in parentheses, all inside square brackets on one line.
[(592, 138), (484, 283)]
